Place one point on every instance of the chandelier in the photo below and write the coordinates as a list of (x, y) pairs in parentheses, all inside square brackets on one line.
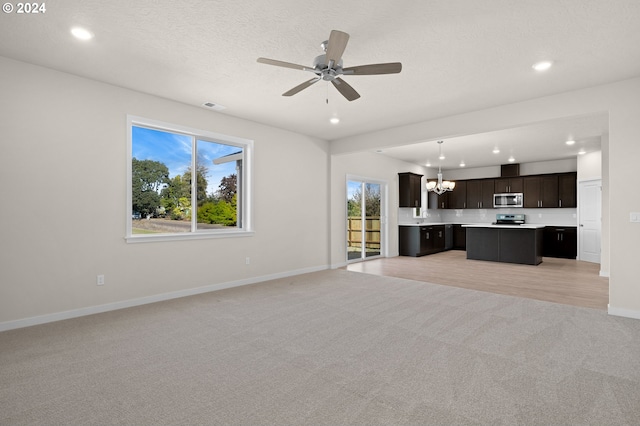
[(440, 187)]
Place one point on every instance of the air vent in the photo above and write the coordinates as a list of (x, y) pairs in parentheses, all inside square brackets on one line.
[(211, 105)]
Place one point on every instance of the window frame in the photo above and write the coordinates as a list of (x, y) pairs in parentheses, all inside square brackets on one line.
[(246, 228)]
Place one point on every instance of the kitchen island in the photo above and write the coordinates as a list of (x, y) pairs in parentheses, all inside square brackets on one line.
[(505, 243)]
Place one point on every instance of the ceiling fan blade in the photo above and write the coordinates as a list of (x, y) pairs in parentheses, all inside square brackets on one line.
[(373, 69), (301, 87), (337, 43), (283, 64), (346, 90)]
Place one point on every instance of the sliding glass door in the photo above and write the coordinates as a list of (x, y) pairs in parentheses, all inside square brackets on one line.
[(364, 219)]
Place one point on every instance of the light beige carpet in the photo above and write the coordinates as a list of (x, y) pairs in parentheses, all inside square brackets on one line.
[(332, 347)]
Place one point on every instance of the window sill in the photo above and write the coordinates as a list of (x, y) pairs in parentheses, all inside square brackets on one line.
[(187, 236)]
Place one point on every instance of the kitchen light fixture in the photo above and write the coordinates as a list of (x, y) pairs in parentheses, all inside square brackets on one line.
[(334, 120), (496, 151), (570, 142), (511, 159), (462, 164), (440, 187)]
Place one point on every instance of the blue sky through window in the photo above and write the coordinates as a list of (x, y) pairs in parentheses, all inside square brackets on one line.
[(174, 150)]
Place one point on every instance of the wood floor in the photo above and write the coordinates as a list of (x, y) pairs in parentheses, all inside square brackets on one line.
[(565, 281)]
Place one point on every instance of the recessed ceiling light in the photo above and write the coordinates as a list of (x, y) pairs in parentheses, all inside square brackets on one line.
[(542, 65), (570, 142), (462, 164), (428, 164), (582, 152), (334, 120), (442, 157), (81, 33), (511, 159), (496, 151)]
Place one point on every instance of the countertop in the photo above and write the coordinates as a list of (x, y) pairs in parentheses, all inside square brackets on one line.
[(425, 224), (491, 225), (484, 225)]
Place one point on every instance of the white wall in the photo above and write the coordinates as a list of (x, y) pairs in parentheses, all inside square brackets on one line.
[(621, 152), (590, 166), (62, 221)]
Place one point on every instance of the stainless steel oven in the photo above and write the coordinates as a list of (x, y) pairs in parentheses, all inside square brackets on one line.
[(507, 200)]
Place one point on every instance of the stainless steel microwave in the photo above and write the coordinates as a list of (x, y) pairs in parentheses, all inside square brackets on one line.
[(507, 200)]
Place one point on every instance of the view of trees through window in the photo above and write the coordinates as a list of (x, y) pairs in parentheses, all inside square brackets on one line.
[(163, 195), (363, 231)]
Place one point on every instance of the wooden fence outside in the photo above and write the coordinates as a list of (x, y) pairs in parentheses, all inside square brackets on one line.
[(372, 232)]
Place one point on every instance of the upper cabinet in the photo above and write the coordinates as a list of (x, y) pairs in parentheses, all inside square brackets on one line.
[(458, 197), (553, 190), (410, 189), (567, 189), (480, 193), (541, 191), (509, 185)]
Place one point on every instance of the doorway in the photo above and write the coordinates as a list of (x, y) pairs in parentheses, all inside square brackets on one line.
[(366, 205), (589, 220)]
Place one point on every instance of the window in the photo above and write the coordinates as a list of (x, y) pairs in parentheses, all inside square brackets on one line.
[(186, 183)]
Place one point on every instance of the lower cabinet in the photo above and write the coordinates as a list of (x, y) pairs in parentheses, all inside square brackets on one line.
[(459, 237), (560, 241), (421, 240), (511, 245)]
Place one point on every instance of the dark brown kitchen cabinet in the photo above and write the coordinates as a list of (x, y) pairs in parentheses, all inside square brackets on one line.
[(410, 189), (567, 183), (508, 185), (480, 193), (438, 238), (459, 237), (458, 197), (421, 240), (560, 241), (540, 191), (439, 201)]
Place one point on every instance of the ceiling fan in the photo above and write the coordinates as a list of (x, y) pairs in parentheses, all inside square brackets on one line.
[(328, 67)]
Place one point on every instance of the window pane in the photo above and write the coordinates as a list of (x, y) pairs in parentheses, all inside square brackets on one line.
[(354, 220), (372, 219), (218, 170), (161, 177)]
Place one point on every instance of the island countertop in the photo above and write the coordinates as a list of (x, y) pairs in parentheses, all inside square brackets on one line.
[(493, 225)]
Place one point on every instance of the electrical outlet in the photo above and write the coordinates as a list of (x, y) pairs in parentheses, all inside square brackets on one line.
[(100, 280), (247, 261)]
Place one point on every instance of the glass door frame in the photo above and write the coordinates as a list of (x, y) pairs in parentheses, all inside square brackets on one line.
[(383, 217)]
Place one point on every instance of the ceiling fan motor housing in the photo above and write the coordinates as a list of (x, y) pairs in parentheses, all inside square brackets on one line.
[(322, 68)]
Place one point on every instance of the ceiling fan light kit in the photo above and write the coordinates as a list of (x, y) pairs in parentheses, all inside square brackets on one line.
[(328, 67)]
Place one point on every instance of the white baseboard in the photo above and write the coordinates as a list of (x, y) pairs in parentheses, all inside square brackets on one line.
[(620, 312), (75, 313)]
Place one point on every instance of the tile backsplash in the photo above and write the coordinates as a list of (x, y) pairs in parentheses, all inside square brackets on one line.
[(557, 217)]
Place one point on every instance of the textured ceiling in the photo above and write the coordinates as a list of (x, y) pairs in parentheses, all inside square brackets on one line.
[(457, 55)]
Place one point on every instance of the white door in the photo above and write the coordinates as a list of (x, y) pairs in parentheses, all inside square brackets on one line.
[(589, 220)]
